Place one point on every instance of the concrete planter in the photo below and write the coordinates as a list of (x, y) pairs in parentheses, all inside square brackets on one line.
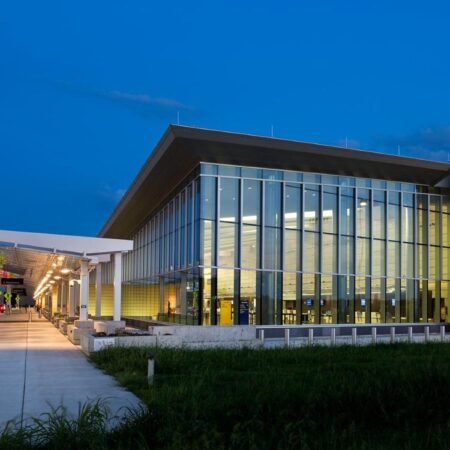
[(90, 343), (192, 336)]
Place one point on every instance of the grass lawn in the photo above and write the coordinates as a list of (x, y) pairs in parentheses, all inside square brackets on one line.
[(377, 397)]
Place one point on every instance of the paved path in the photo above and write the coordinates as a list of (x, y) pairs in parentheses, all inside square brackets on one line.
[(40, 367)]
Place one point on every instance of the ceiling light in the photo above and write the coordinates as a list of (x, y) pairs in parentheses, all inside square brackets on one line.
[(65, 271), (57, 277), (52, 282), (363, 203)]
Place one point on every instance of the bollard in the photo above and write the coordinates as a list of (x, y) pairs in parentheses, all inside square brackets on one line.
[(333, 336), (287, 337), (151, 368), (261, 335), (392, 335), (354, 336), (410, 334), (442, 333), (374, 335), (311, 336), (427, 334)]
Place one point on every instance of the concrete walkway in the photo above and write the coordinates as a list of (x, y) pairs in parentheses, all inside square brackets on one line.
[(40, 368)]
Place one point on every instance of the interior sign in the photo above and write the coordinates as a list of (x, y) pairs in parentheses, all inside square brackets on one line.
[(12, 281)]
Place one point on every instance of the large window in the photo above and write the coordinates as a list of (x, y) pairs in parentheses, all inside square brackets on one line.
[(251, 245)]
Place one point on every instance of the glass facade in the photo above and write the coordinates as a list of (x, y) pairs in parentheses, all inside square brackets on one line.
[(242, 245)]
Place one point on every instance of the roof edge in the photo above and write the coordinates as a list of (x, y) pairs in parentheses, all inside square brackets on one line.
[(166, 140)]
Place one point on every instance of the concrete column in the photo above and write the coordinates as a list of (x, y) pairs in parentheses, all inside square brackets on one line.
[(84, 289), (58, 296), (71, 298), (117, 286), (98, 290), (64, 296)]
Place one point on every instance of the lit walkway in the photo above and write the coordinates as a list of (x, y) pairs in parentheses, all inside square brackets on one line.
[(39, 367)]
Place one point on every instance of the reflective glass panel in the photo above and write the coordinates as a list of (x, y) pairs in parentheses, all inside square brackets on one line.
[(347, 212), (292, 245), (272, 203), (329, 253), (393, 259), (251, 194), (363, 213), (422, 219), (408, 260), (329, 213), (311, 252), (311, 214), (408, 224), (272, 248), (379, 259), (229, 199), (208, 242), (363, 256), (250, 246), (422, 260), (249, 294), (292, 206), (289, 298), (228, 244), (394, 216), (347, 255)]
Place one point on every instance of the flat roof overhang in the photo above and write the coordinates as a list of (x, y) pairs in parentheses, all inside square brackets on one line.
[(181, 149), (30, 255)]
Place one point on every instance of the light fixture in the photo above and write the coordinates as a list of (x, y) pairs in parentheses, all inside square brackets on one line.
[(362, 203), (57, 277), (52, 281), (65, 271)]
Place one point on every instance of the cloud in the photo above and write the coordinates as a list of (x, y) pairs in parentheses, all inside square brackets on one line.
[(144, 105), (144, 99), (108, 196), (428, 143)]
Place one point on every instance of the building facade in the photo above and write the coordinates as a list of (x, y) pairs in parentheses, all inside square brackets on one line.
[(284, 242)]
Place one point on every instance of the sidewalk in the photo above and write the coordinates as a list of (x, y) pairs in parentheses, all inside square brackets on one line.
[(39, 367)]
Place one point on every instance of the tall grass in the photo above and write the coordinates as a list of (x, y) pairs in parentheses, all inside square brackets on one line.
[(89, 429), (381, 397), (387, 396)]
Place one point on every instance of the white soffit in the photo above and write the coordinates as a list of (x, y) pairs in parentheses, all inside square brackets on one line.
[(64, 244)]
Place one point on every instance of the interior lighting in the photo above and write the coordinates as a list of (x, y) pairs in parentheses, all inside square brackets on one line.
[(52, 281), (362, 203), (57, 277), (65, 271)]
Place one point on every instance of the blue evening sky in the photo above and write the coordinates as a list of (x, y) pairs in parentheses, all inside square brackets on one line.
[(88, 87)]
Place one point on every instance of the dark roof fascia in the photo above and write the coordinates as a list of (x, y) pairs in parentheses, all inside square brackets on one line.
[(165, 141), (182, 148)]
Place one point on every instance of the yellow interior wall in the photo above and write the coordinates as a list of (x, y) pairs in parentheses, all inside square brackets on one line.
[(140, 300), (107, 300)]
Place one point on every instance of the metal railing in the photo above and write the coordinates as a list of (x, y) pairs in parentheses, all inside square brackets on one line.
[(354, 334)]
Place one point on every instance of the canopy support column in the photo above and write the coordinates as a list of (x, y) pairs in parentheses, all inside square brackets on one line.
[(84, 290), (98, 290), (117, 286)]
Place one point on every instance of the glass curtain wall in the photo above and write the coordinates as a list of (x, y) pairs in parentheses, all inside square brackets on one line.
[(241, 245)]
